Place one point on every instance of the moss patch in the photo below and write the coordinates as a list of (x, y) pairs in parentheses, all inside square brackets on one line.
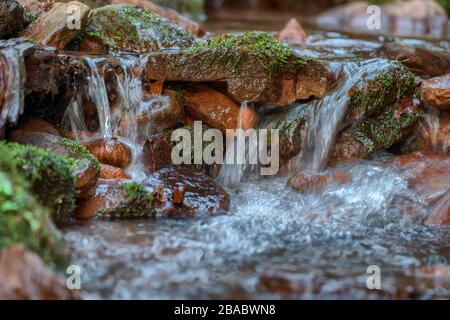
[(79, 152)]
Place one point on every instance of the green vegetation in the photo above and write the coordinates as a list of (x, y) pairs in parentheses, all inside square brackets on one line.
[(50, 176), (79, 152), (130, 28), (263, 46), (22, 219)]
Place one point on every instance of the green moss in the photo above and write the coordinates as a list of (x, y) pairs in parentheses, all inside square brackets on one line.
[(79, 152), (379, 90), (50, 176), (273, 55), (23, 220), (383, 131), (135, 191), (130, 28)]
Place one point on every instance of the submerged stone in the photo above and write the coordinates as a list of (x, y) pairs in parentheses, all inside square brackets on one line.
[(130, 28), (60, 25), (254, 65), (306, 181)]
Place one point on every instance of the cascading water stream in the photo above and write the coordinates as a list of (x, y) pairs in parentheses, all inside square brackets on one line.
[(432, 124)]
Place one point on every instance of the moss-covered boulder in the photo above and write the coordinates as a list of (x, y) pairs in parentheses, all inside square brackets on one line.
[(113, 200), (380, 86), (22, 218), (372, 134), (254, 65), (129, 28)]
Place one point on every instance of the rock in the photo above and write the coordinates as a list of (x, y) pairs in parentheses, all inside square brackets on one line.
[(427, 172), (108, 172), (401, 18), (110, 151), (39, 125), (254, 65), (113, 200), (212, 107), (382, 84), (156, 153), (130, 28), (440, 213), (35, 7), (157, 113), (372, 134), (292, 33), (290, 121), (306, 181), (53, 28), (23, 220), (170, 14), (85, 165), (436, 92), (421, 61), (190, 8), (434, 132), (201, 195), (26, 277), (11, 18)]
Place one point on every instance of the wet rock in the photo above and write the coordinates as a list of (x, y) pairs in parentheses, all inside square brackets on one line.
[(110, 151), (440, 213), (372, 134), (212, 107), (436, 92), (292, 33), (33, 8), (39, 125), (26, 277), (428, 173), (157, 113), (421, 61), (290, 121), (434, 132), (52, 27), (191, 26), (156, 153), (23, 219), (254, 65), (306, 181), (403, 18), (201, 195), (114, 200), (108, 172), (11, 18), (379, 88), (130, 28)]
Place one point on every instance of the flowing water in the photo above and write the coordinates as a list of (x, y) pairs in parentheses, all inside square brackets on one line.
[(274, 242)]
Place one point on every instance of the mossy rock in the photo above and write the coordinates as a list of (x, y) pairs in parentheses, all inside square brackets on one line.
[(51, 176), (290, 121), (129, 28), (255, 66), (22, 218), (379, 88), (373, 134)]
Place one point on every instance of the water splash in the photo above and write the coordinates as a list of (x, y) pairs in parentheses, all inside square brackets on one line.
[(432, 126)]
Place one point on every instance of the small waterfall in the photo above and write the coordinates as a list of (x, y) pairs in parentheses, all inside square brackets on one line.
[(432, 125), (13, 74), (237, 160), (329, 113)]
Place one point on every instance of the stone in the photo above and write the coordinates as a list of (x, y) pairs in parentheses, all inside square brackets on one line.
[(52, 27), (108, 172), (440, 213), (26, 277), (254, 65), (292, 33), (110, 151), (128, 28), (11, 18), (436, 92), (39, 125), (306, 181)]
